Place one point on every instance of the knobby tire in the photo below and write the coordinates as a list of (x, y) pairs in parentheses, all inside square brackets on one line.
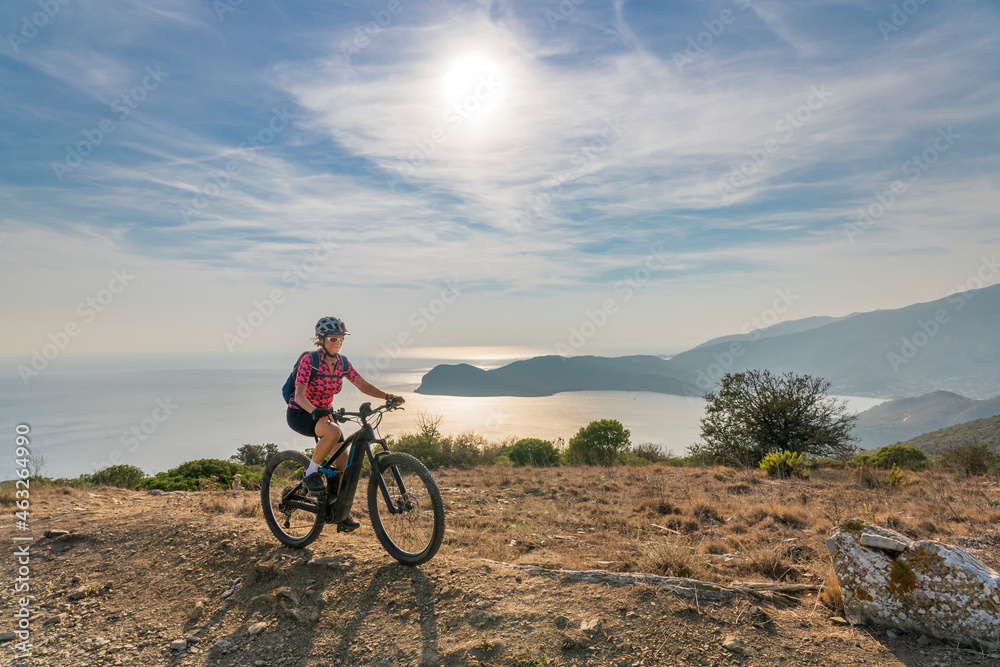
[(414, 536), (303, 526)]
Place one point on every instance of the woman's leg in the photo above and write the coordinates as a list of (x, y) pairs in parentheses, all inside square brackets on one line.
[(329, 435)]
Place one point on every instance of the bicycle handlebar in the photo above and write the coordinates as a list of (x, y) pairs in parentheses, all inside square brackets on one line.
[(366, 410)]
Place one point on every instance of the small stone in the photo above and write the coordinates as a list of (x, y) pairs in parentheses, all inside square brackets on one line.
[(891, 634), (734, 645), (839, 620), (7, 636), (591, 627), (257, 628), (223, 644), (192, 639), (80, 593), (55, 533), (561, 622), (178, 645), (924, 640), (199, 609)]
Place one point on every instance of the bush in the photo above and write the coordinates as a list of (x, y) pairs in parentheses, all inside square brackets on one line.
[(254, 455), (902, 456), (651, 452), (532, 451), (970, 459), (434, 451), (122, 476), (633, 459), (188, 476), (598, 443), (784, 464)]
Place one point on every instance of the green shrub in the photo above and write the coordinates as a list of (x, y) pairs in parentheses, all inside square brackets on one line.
[(122, 476), (598, 443), (831, 464), (465, 450), (902, 456), (861, 461), (254, 455), (651, 452), (970, 459), (633, 459), (187, 476), (784, 464), (532, 451)]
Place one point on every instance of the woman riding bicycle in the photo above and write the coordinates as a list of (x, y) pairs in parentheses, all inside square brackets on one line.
[(309, 413)]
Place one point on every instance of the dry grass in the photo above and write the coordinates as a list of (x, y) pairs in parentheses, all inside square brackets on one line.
[(714, 524), (726, 524)]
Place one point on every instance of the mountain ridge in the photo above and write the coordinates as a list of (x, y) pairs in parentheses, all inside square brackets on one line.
[(947, 344)]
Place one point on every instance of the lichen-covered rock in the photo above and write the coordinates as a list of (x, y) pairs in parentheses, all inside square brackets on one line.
[(930, 587)]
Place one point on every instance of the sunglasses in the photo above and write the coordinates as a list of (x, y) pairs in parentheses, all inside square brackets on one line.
[(335, 339)]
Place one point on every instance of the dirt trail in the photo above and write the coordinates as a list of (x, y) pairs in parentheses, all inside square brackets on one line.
[(139, 573)]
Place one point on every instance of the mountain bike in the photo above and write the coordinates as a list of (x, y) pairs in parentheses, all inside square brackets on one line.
[(404, 503)]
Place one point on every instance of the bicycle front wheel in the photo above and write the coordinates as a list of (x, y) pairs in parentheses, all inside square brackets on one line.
[(411, 525), (295, 517)]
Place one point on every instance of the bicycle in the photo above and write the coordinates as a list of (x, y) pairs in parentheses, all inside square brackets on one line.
[(404, 503)]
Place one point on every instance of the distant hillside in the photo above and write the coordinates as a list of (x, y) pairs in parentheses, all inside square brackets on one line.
[(779, 329), (950, 344), (544, 376), (905, 418), (985, 431)]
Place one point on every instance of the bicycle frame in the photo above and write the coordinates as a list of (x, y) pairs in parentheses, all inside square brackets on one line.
[(342, 486)]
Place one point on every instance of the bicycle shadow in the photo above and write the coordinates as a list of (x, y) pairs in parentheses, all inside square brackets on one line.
[(423, 590), (329, 577)]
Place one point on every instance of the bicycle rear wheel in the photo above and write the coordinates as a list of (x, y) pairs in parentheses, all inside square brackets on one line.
[(280, 487), (411, 526)]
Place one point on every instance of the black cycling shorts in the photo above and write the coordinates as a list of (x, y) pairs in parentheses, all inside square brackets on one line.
[(302, 422)]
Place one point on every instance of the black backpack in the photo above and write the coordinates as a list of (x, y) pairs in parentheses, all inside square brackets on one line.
[(288, 391)]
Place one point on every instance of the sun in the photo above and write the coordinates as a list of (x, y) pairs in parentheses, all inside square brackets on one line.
[(473, 88), (464, 74)]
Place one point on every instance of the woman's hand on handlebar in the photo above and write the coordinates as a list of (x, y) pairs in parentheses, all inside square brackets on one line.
[(393, 400)]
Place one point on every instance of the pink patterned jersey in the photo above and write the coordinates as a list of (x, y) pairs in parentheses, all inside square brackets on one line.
[(325, 385)]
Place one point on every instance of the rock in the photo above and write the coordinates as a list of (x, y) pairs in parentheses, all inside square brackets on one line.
[(884, 543), (924, 640), (178, 645), (7, 636), (838, 620), (156, 492), (223, 645), (199, 609), (193, 639), (257, 628), (56, 533), (929, 588), (79, 593), (561, 622), (891, 634), (591, 627), (734, 645)]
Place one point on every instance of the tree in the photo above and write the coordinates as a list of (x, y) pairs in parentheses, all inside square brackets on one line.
[(254, 455), (598, 443), (756, 412)]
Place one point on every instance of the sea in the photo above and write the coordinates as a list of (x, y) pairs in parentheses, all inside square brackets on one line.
[(83, 413)]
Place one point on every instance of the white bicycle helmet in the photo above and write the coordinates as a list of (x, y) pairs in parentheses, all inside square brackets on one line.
[(331, 326)]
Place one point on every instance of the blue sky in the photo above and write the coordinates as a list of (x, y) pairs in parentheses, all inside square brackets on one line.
[(485, 173)]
